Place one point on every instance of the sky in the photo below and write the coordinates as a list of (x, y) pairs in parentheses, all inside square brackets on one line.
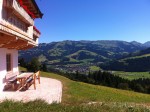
[(127, 20)]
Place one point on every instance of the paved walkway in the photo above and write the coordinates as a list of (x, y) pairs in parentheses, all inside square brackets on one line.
[(49, 90)]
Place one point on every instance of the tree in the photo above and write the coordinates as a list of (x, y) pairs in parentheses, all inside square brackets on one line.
[(123, 86), (139, 88), (34, 65), (22, 62), (44, 67), (65, 59)]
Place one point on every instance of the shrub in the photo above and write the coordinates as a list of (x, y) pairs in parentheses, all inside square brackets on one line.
[(34, 65), (123, 86)]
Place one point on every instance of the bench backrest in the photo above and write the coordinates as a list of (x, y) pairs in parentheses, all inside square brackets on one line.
[(11, 76), (38, 76)]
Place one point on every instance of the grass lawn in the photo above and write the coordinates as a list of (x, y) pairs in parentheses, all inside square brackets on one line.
[(132, 75), (94, 68), (78, 97), (79, 92), (134, 57)]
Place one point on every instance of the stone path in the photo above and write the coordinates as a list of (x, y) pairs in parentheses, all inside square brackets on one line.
[(49, 90)]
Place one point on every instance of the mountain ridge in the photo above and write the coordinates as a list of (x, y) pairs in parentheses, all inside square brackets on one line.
[(134, 62), (104, 49)]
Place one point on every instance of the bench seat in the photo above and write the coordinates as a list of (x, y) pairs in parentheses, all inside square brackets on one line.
[(12, 81), (29, 80)]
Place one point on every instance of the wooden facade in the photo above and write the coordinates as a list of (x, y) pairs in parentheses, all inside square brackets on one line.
[(17, 32)]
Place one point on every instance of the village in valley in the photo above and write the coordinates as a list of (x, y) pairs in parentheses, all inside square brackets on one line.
[(84, 68)]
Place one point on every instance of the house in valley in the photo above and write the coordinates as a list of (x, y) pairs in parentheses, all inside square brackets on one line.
[(17, 32)]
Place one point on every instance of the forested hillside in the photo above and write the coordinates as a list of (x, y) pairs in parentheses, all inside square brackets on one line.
[(137, 61), (81, 51)]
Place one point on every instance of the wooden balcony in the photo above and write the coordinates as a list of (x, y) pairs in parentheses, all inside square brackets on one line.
[(13, 30), (19, 11), (12, 42), (36, 32), (14, 38)]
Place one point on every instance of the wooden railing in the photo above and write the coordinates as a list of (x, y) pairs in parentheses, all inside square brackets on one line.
[(13, 30), (36, 32), (15, 6)]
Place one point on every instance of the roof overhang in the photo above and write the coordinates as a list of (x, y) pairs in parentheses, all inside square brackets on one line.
[(13, 42), (33, 7)]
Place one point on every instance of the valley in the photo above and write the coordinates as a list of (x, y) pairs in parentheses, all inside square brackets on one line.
[(72, 56)]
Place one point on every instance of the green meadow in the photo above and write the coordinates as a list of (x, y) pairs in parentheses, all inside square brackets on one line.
[(82, 97), (132, 75)]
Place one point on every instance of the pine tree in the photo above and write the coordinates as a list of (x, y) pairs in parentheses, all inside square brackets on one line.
[(34, 65)]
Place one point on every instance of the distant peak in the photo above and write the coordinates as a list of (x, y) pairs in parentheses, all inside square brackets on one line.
[(135, 43), (147, 44)]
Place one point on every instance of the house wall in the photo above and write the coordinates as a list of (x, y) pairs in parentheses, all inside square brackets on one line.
[(3, 72), (16, 21), (1, 2), (16, 24)]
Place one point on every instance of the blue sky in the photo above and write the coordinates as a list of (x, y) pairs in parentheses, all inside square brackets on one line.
[(127, 20)]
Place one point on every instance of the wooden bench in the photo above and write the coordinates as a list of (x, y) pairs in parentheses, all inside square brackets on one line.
[(12, 81), (38, 76), (30, 81)]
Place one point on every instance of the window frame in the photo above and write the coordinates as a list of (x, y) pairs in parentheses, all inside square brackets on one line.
[(8, 62)]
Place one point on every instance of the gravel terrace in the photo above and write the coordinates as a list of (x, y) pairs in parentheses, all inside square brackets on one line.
[(49, 90)]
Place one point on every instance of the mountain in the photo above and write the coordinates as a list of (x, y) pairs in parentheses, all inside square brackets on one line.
[(138, 61), (136, 43), (81, 51), (147, 44)]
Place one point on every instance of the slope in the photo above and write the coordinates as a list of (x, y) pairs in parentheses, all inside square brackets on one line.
[(134, 62), (82, 97), (100, 50)]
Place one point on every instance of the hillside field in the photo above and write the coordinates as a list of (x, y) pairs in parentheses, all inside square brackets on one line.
[(132, 75), (82, 97)]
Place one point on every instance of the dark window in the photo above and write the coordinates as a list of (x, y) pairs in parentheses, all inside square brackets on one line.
[(8, 62), (35, 38)]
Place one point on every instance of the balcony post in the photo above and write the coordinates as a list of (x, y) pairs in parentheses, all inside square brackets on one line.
[(30, 31)]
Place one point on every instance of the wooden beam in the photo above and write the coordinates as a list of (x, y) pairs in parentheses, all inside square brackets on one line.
[(4, 39), (15, 44), (22, 46), (12, 42), (27, 47)]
